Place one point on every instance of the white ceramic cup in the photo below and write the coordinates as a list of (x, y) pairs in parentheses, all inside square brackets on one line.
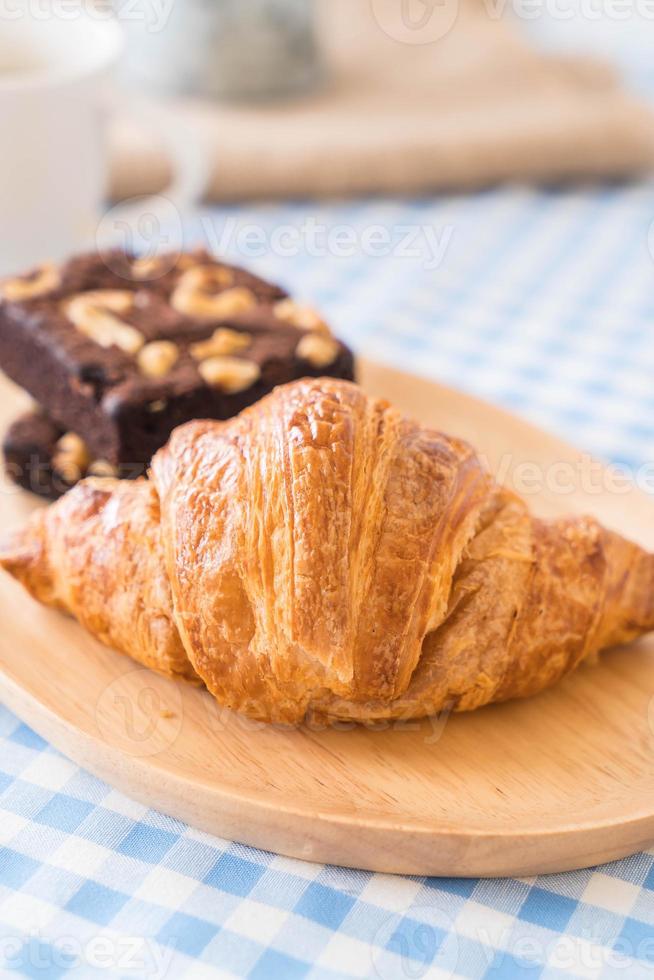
[(52, 159), (54, 100)]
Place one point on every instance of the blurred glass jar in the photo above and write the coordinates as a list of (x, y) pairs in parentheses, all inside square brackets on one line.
[(229, 49)]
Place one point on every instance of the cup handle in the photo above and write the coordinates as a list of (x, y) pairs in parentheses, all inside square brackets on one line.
[(152, 223)]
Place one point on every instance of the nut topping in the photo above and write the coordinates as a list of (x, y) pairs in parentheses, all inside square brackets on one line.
[(186, 261), (204, 278), (157, 266), (317, 349), (71, 457), (146, 268), (43, 281), (230, 374), (222, 341), (93, 314), (156, 359), (201, 293), (102, 468), (300, 316)]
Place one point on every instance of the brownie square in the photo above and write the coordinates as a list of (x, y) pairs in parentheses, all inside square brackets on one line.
[(121, 350), (46, 460), (29, 446)]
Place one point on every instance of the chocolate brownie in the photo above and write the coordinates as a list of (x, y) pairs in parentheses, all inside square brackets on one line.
[(121, 350), (44, 459), (28, 448)]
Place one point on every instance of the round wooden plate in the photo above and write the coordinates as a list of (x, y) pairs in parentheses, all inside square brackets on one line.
[(561, 781)]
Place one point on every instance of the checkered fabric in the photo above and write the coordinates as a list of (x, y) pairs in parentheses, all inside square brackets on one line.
[(542, 301)]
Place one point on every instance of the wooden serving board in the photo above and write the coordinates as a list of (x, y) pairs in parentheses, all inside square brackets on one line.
[(561, 781)]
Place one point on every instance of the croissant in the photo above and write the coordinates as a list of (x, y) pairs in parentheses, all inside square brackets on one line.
[(323, 555)]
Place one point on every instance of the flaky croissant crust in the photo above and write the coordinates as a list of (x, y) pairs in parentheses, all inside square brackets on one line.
[(323, 554)]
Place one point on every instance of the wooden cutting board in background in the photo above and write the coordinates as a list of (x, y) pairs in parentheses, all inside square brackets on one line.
[(560, 781), (474, 105)]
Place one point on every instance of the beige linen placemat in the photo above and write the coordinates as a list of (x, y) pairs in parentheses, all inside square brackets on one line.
[(475, 106)]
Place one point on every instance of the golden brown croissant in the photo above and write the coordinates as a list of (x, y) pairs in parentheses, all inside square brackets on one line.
[(321, 553)]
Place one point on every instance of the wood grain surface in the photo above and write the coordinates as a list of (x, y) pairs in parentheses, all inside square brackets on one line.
[(561, 781)]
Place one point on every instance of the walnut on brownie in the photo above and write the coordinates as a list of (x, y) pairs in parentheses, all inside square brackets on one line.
[(119, 350), (28, 447), (39, 456)]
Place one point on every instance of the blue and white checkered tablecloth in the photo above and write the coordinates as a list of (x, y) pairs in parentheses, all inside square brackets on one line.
[(542, 301)]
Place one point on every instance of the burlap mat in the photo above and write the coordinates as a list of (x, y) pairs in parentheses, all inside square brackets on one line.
[(472, 107)]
